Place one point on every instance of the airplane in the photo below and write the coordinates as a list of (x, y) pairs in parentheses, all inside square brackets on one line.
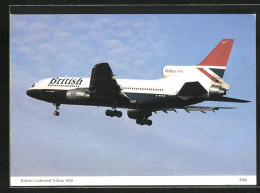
[(180, 88)]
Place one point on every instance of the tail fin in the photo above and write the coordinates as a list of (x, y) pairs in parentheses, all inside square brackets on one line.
[(218, 57)]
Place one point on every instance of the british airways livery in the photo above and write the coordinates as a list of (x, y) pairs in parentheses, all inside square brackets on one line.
[(180, 88)]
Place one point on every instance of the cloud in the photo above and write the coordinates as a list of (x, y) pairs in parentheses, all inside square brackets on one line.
[(38, 26), (87, 41), (112, 43), (139, 24), (62, 35)]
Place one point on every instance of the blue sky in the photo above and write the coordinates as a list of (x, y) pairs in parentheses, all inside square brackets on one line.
[(82, 141)]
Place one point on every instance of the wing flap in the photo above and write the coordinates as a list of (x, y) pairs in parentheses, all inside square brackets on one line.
[(201, 108), (198, 108)]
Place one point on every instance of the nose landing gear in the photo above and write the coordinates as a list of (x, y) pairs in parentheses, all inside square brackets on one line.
[(56, 113), (113, 113)]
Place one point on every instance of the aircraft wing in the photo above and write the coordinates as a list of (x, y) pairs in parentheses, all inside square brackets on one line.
[(104, 85), (199, 108)]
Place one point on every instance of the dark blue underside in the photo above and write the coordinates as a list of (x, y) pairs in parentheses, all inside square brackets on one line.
[(143, 100)]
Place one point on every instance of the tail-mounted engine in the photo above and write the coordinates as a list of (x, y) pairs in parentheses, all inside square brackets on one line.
[(78, 94), (216, 90)]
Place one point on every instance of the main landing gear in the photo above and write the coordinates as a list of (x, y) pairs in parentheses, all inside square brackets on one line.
[(56, 113), (113, 113), (144, 122)]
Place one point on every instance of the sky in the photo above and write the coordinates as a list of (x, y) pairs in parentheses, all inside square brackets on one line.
[(82, 141)]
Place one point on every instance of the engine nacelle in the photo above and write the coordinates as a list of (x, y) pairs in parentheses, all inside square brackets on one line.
[(216, 90), (77, 94), (138, 114)]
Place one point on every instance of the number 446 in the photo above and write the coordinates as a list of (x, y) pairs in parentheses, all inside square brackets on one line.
[(242, 179)]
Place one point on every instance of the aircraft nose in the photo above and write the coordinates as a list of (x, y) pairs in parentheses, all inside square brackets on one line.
[(30, 92), (35, 93)]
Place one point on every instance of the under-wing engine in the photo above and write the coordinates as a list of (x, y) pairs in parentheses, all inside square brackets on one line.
[(140, 115), (78, 94)]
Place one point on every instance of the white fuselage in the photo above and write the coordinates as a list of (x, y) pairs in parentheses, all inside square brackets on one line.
[(161, 91), (170, 85)]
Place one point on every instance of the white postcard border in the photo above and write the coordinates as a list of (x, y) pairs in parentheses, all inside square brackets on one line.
[(131, 180)]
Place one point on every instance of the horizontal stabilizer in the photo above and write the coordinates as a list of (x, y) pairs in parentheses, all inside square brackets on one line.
[(227, 99), (192, 89)]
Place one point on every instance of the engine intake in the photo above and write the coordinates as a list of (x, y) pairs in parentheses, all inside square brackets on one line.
[(217, 91), (77, 94)]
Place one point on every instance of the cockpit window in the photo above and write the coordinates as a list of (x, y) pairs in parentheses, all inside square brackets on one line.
[(33, 85)]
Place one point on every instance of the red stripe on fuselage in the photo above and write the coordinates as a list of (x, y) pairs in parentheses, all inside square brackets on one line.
[(208, 75)]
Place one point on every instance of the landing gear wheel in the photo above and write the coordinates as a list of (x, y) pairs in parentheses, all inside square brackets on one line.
[(144, 122), (149, 122), (119, 114), (108, 112), (113, 113), (56, 113), (140, 121)]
